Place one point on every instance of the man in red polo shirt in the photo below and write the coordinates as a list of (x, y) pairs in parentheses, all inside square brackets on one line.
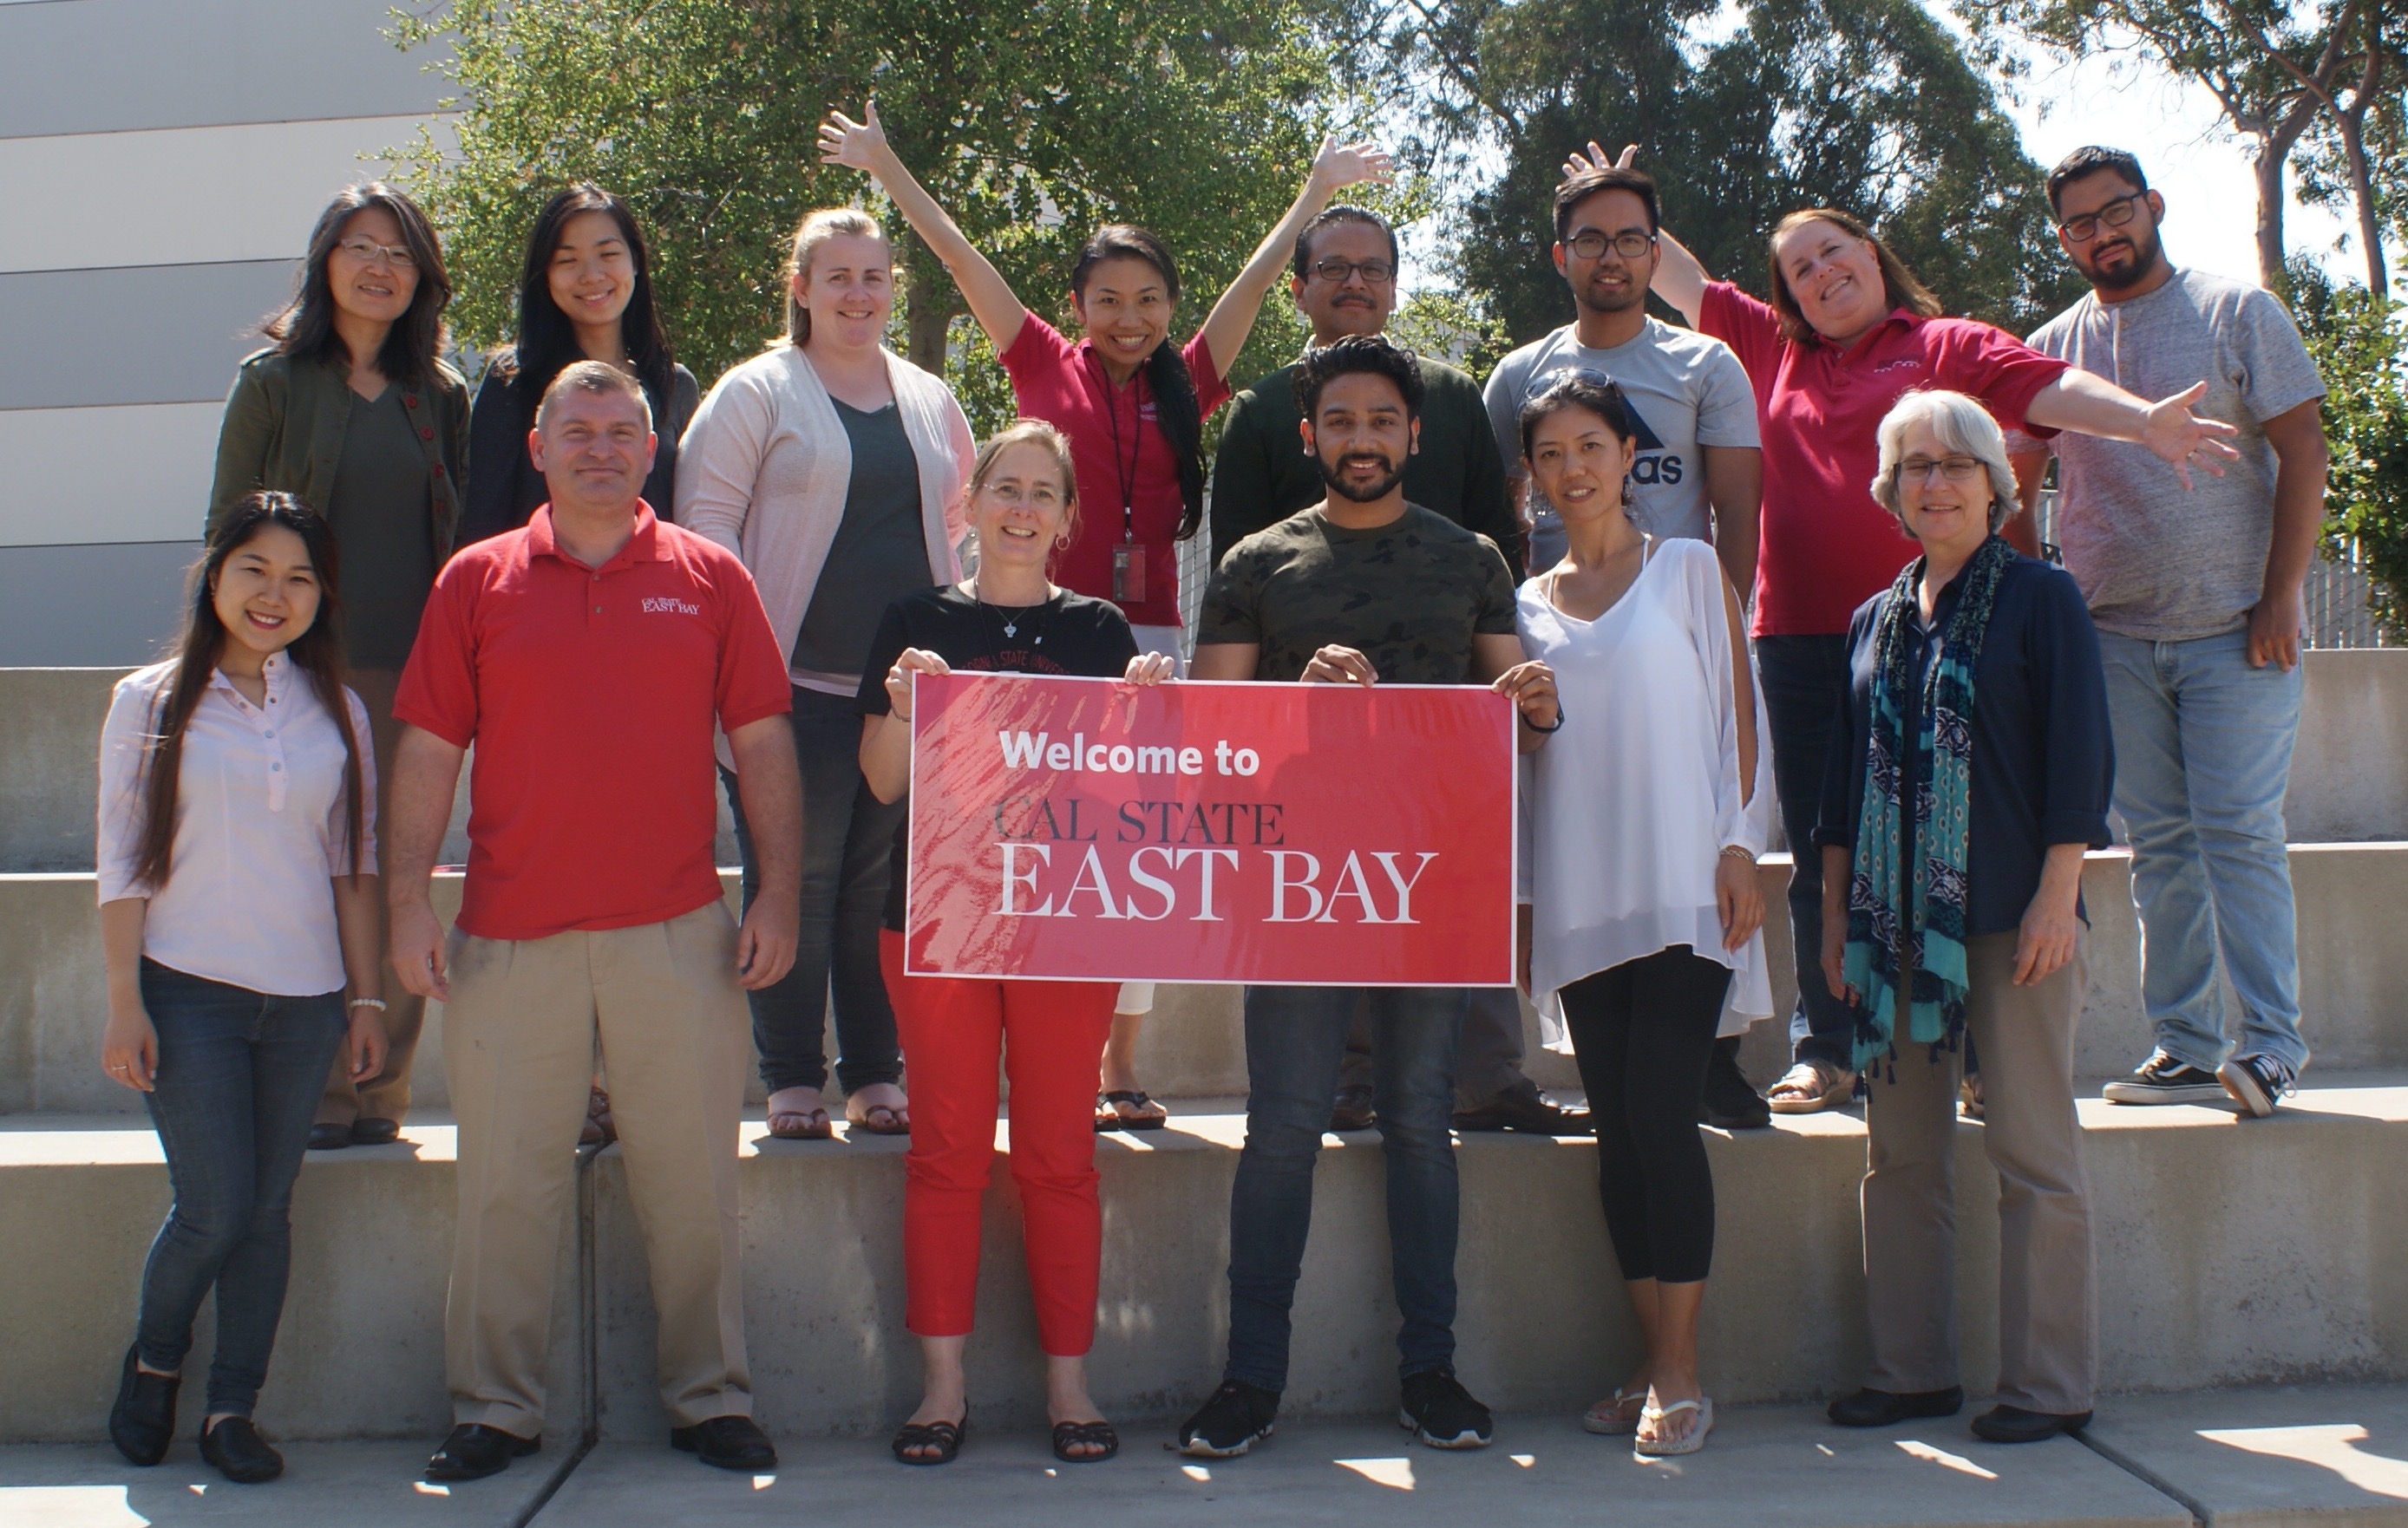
[(589, 656)]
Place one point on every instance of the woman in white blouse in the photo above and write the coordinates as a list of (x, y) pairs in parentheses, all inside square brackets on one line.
[(238, 924), (1641, 914)]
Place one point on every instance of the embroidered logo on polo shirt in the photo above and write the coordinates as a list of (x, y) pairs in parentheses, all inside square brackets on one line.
[(663, 604)]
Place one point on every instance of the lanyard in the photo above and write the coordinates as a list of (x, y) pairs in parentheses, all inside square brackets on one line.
[(1127, 475)]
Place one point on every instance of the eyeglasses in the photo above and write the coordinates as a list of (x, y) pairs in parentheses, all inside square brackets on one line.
[(2116, 214), (367, 251), (1957, 469), (1375, 273), (1589, 244)]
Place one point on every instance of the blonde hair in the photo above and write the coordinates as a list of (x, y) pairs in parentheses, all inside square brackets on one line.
[(1034, 432), (1965, 428), (818, 226)]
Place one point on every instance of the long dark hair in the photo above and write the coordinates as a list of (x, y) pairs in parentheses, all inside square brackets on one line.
[(318, 652), (1899, 286), (306, 327), (1175, 406), (547, 341)]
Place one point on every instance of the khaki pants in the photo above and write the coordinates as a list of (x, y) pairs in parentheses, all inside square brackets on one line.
[(519, 1045), (385, 1095), (2048, 1335)]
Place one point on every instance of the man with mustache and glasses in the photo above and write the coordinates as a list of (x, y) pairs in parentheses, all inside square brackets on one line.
[(1362, 587), (1344, 283), (1698, 474), (2197, 600)]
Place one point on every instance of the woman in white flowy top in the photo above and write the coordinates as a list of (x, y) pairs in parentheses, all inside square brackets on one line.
[(1646, 811)]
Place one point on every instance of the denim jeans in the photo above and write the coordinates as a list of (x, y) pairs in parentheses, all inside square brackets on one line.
[(238, 1080), (848, 835), (1805, 679), (2203, 758), (1295, 1036)]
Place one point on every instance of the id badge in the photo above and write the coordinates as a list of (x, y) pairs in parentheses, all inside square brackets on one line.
[(1129, 574)]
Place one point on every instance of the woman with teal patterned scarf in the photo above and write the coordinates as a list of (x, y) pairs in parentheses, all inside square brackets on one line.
[(1970, 769)]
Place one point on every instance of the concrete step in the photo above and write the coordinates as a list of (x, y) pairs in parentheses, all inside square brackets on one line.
[(2229, 1252), (2256, 1458), (2353, 969), (2349, 776)]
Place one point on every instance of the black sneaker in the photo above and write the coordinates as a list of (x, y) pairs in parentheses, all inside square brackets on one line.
[(1442, 1413), (2162, 1079), (1731, 1100), (2257, 1084), (1227, 1425)]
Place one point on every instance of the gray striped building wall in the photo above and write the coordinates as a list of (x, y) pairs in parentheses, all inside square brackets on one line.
[(161, 163)]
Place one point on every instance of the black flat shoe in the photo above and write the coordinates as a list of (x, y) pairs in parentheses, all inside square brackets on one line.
[(329, 1137), (143, 1420), (375, 1131), (727, 1443), (943, 1436), (474, 1450), (1881, 1407), (1074, 1435), (2013, 1425), (239, 1452)]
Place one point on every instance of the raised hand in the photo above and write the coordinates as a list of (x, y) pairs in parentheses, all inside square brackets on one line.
[(1596, 159), (1338, 165), (2181, 437), (856, 146)]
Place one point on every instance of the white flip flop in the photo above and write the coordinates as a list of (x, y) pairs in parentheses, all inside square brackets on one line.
[(1689, 1445), (1606, 1418)]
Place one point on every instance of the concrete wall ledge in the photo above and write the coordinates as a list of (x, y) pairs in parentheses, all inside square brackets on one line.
[(2227, 1252)]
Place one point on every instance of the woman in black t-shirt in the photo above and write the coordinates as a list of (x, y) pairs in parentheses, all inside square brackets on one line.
[(1049, 1034)]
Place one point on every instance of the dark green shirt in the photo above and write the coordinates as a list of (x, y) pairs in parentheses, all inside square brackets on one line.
[(880, 554), (1408, 595), (1262, 475), (377, 512)]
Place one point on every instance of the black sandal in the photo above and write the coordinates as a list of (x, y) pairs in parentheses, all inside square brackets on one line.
[(1071, 1434), (944, 1437), (1108, 1117)]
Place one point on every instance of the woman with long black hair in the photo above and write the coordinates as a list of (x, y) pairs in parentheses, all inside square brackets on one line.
[(585, 293), (1133, 404), (239, 920), (351, 407)]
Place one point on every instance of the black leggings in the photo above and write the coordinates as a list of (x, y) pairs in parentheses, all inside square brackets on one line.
[(1642, 1033)]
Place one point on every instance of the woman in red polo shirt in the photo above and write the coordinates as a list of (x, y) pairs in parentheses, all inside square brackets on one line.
[(1848, 333), (1133, 404)]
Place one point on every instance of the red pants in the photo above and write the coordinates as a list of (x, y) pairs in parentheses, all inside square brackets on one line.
[(1050, 1038)]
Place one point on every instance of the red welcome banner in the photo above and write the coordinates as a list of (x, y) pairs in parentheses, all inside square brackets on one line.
[(1282, 833)]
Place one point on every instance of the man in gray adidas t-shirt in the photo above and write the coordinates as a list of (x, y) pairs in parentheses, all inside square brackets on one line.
[(1698, 473), (2197, 599)]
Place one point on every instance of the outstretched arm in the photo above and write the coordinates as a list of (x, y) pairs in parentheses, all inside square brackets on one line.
[(2093, 405), (863, 146), (1681, 278), (1337, 166)]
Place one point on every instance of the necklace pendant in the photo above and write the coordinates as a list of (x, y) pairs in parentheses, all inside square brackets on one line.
[(1012, 628)]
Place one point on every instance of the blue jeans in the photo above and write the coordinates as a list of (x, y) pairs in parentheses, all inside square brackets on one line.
[(848, 835), (1295, 1039), (1805, 680), (238, 1080), (2203, 758)]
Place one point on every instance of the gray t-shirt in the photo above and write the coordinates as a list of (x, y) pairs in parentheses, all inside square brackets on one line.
[(1685, 388), (379, 511), (879, 552), (2154, 563)]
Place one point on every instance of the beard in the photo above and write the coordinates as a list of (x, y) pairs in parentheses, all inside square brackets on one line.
[(2146, 255), (1594, 301), (1334, 474)]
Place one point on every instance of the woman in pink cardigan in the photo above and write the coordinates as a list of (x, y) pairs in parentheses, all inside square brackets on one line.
[(837, 470)]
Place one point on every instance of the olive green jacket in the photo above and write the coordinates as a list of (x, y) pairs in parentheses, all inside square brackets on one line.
[(283, 432)]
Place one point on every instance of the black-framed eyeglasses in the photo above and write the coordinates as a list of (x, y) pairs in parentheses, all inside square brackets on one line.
[(1957, 469), (2116, 214), (1376, 273), (1591, 245)]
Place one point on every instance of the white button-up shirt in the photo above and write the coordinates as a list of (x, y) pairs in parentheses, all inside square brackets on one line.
[(262, 829)]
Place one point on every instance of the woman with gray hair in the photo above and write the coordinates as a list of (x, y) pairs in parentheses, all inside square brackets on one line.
[(1970, 769)]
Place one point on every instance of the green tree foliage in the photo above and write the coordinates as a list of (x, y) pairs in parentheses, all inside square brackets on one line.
[(2361, 350), (1032, 123), (1863, 105)]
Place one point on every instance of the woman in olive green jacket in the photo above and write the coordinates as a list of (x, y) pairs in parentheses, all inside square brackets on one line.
[(353, 408)]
